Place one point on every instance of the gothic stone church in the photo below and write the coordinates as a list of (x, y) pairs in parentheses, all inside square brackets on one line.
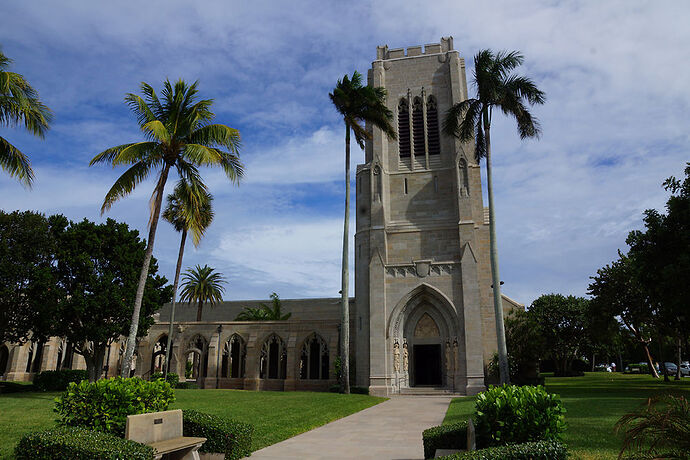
[(422, 315)]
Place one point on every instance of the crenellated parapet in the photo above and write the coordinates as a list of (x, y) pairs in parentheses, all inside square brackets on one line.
[(383, 53)]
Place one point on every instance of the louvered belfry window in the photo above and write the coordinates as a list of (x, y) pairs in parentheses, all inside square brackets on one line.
[(432, 127), (403, 128), (418, 127)]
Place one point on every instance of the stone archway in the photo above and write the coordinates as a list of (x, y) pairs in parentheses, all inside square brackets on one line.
[(423, 336)]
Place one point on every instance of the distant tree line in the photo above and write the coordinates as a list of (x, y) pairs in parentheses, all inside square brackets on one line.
[(638, 310)]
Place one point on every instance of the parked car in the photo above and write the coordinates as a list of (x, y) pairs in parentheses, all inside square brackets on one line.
[(685, 369), (671, 368)]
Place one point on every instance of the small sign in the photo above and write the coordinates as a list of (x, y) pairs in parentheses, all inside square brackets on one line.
[(157, 421)]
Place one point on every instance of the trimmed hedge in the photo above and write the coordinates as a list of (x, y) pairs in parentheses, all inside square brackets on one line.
[(79, 444), (222, 435), (540, 450), (58, 380), (105, 404), (510, 415), (453, 436), (187, 386)]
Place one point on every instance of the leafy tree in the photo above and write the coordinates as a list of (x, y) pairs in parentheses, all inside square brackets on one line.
[(264, 313), (662, 253), (525, 342), (357, 104), (28, 242), (97, 272), (19, 105), (187, 209), (563, 324), (202, 285), (180, 136), (617, 293), (470, 120)]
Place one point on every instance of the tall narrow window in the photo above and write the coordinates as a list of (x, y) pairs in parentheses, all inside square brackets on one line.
[(436, 184), (418, 127), (403, 128), (273, 358), (432, 126), (464, 179), (377, 183), (405, 186)]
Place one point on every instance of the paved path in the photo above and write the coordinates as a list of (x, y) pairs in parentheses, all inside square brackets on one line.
[(391, 430)]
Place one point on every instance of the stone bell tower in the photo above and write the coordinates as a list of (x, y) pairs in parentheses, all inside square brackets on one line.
[(423, 315)]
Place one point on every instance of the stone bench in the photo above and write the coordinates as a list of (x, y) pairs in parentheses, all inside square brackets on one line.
[(163, 432)]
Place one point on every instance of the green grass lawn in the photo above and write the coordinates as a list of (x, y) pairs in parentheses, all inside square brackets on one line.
[(275, 415), (594, 403)]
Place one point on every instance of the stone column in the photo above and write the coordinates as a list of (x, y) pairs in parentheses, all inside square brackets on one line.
[(49, 357), (291, 364), (251, 378), (210, 379), (474, 358), (16, 366)]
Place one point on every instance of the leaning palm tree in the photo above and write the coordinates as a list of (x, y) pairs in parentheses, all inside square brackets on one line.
[(357, 104), (471, 119), (19, 105), (181, 137), (202, 285), (187, 209)]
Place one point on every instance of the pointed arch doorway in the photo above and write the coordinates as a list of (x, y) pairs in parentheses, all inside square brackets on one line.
[(426, 357)]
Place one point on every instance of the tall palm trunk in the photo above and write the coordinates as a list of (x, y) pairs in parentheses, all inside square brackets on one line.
[(495, 278), (134, 327), (345, 321), (199, 309), (168, 351)]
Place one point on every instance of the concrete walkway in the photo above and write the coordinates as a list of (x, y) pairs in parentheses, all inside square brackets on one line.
[(391, 430)]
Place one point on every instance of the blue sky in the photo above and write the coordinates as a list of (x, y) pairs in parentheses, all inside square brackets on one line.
[(615, 124)]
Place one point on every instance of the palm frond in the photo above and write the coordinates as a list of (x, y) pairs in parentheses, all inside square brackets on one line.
[(15, 163), (124, 185), (232, 166), (108, 155), (139, 106), (201, 155), (136, 152), (217, 135), (156, 130)]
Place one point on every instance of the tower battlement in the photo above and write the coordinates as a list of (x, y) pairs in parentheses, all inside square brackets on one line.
[(384, 53)]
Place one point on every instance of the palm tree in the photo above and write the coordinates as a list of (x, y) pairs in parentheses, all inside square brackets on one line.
[(265, 313), (19, 105), (471, 119), (187, 209), (180, 136), (202, 284), (357, 104)]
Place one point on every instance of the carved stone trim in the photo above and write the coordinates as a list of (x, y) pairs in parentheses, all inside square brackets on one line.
[(421, 269)]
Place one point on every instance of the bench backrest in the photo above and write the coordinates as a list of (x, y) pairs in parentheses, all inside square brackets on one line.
[(154, 426)]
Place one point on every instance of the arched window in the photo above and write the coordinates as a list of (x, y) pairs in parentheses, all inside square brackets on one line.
[(234, 357), (432, 126), (403, 128), (313, 363), (197, 358), (158, 354), (377, 183), (464, 178), (273, 359), (418, 126)]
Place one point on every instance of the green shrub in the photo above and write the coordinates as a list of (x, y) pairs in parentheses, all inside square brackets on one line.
[(359, 390), (172, 378), (58, 380), (512, 414), (78, 444), (453, 436), (105, 404), (187, 386), (540, 450), (222, 435)]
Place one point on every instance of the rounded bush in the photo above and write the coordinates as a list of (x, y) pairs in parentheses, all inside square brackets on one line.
[(105, 404), (172, 378), (512, 414)]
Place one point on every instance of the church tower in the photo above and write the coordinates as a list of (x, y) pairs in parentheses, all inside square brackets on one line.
[(423, 315)]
